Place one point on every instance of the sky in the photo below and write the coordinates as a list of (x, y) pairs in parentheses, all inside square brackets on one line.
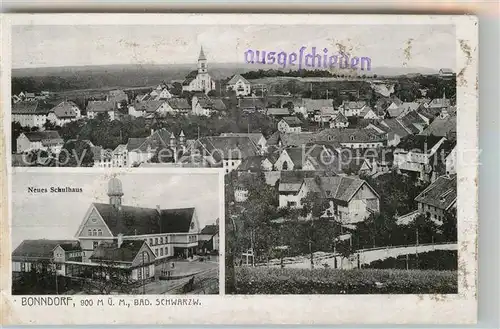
[(432, 46), (58, 215)]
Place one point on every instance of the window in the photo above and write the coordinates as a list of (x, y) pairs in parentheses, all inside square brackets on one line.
[(192, 225), (161, 251), (139, 273), (90, 232), (285, 165), (151, 241), (156, 252), (352, 138), (99, 232), (94, 232), (161, 240), (147, 271), (156, 240), (166, 251), (58, 266), (23, 267)]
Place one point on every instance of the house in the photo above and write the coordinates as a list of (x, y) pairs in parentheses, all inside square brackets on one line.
[(64, 113), (179, 106), (16, 99), (439, 103), (203, 105), (412, 122), (428, 114), (142, 149), (199, 80), (30, 114), (439, 198), (226, 152), (353, 138), (119, 156), (209, 237), (443, 127), (160, 93), (350, 200), (102, 158), (290, 125), (376, 162), (402, 109), (167, 232), (252, 105), (277, 112), (117, 97), (94, 108), (279, 139), (148, 108), (310, 107), (368, 113), (325, 114), (47, 140), (29, 96), (240, 85), (290, 184), (256, 163), (134, 258), (51, 254), (257, 138), (416, 154), (309, 157), (392, 128), (352, 109), (339, 121), (446, 74)]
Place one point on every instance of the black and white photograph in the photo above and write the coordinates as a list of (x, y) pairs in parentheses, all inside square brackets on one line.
[(129, 233), (351, 188)]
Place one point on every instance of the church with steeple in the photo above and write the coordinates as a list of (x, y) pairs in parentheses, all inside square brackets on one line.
[(199, 80)]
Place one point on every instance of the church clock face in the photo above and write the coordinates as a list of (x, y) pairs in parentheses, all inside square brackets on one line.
[(93, 219)]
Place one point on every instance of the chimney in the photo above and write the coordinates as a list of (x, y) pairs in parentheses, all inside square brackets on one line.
[(152, 131), (120, 240)]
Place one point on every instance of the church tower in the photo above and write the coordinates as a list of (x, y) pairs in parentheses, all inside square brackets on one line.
[(115, 192), (202, 62)]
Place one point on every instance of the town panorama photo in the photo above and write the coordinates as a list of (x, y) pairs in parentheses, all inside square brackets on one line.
[(338, 146)]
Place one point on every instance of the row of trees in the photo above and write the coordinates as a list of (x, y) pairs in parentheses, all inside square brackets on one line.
[(302, 73)]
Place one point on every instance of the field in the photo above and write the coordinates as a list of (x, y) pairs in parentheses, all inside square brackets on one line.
[(255, 280)]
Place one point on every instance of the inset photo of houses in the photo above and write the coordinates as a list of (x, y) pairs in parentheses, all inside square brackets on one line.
[(146, 232)]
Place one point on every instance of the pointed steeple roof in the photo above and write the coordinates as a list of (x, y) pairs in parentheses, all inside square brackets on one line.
[(182, 133), (202, 55)]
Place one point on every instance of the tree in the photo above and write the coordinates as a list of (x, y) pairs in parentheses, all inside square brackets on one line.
[(449, 227), (76, 153), (176, 88), (106, 278)]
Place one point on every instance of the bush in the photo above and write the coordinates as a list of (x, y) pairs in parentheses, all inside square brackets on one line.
[(432, 260), (255, 280)]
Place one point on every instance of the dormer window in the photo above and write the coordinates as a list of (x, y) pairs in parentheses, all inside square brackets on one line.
[(352, 138)]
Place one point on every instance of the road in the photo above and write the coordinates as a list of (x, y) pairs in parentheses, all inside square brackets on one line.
[(366, 256)]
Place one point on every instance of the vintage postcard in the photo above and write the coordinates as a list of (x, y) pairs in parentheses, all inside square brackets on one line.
[(272, 169)]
